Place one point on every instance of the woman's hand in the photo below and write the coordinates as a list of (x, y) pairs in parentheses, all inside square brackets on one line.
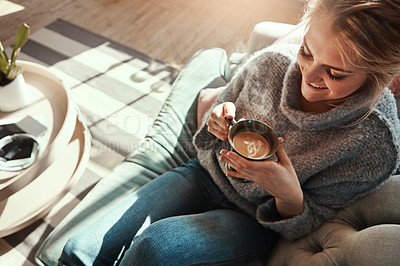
[(217, 125), (204, 101), (277, 177)]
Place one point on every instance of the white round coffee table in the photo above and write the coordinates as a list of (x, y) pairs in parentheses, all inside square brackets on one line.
[(27, 195)]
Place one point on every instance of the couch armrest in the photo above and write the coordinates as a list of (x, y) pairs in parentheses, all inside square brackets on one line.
[(267, 33)]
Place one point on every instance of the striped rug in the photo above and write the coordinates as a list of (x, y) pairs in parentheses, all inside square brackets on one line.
[(118, 90)]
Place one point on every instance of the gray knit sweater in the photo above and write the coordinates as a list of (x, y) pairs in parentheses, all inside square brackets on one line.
[(336, 165)]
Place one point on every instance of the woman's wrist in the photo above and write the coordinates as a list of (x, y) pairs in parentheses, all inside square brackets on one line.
[(288, 208)]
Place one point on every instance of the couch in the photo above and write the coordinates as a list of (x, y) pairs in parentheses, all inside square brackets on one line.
[(365, 233)]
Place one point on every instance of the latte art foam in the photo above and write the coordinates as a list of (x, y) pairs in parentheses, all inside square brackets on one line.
[(251, 144)]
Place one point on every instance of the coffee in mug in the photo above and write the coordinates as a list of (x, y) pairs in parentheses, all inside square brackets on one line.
[(251, 144), (253, 140)]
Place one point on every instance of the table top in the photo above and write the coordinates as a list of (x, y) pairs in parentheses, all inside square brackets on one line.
[(28, 194)]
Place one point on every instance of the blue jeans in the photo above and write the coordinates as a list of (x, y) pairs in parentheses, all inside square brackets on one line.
[(179, 218)]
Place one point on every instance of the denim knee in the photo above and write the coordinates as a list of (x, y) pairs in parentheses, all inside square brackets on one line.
[(147, 249), (82, 250), (157, 245), (71, 254)]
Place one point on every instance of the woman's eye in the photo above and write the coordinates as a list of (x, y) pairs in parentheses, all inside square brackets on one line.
[(333, 77), (304, 53)]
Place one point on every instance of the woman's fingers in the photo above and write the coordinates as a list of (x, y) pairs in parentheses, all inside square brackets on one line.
[(222, 135), (213, 125), (232, 163), (234, 160), (217, 125), (228, 110), (245, 168)]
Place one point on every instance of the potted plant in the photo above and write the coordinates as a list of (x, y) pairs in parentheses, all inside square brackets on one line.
[(13, 88)]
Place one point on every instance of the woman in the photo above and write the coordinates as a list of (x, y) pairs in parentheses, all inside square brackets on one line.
[(341, 133)]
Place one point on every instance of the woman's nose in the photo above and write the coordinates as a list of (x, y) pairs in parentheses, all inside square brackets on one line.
[(313, 73)]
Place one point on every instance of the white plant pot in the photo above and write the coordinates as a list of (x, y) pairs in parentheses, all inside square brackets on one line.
[(15, 95)]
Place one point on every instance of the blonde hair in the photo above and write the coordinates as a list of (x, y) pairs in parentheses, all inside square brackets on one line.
[(371, 29)]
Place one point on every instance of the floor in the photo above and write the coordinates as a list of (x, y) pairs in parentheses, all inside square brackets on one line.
[(168, 30)]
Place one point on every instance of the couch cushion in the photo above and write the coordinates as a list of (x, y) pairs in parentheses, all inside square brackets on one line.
[(365, 233), (168, 144)]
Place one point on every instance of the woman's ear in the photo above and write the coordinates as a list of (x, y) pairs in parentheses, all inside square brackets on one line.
[(394, 85)]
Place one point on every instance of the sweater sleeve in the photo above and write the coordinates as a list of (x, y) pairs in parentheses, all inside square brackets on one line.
[(365, 163)]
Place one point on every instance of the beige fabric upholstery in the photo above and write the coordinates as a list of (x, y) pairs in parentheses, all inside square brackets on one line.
[(366, 233), (266, 33)]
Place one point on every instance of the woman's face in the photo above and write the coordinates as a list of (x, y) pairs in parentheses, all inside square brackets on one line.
[(325, 76)]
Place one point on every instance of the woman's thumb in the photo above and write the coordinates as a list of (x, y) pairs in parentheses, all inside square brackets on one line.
[(229, 110), (281, 154)]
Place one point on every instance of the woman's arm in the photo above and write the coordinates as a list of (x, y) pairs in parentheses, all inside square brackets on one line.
[(206, 98)]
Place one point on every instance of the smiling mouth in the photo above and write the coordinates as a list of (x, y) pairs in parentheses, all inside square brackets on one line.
[(316, 87)]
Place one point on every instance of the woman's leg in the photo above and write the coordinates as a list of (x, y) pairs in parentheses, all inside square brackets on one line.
[(218, 237), (185, 190)]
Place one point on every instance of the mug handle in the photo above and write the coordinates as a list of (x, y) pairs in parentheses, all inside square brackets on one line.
[(231, 121)]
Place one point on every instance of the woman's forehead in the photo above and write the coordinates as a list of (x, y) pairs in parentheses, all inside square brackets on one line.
[(322, 43)]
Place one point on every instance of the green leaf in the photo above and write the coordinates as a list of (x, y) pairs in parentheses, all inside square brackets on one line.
[(4, 64), (3, 52), (21, 39), (14, 71)]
